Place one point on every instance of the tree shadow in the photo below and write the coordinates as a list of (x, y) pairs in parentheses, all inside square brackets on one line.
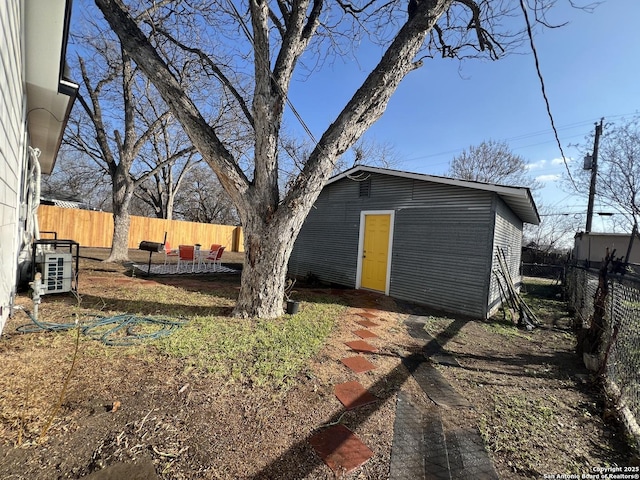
[(385, 388), (151, 307), (290, 460)]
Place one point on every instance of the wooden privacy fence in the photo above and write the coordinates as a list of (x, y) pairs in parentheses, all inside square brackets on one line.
[(95, 229)]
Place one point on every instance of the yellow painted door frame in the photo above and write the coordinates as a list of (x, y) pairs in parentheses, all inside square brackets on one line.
[(374, 250)]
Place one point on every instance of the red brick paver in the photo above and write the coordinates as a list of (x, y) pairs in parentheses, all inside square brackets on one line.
[(340, 449), (358, 364), (353, 395), (361, 346), (367, 323), (365, 334)]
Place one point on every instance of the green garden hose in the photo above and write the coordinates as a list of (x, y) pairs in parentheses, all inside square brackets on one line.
[(118, 330)]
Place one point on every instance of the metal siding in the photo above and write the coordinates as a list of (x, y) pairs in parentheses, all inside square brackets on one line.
[(441, 248), (12, 131), (327, 246), (508, 236), (440, 256)]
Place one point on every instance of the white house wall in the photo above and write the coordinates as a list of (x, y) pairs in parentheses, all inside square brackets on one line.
[(12, 148), (593, 247)]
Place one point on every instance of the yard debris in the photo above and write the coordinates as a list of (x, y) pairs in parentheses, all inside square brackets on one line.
[(115, 406), (526, 317)]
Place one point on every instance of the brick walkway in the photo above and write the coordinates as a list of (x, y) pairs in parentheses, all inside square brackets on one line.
[(425, 445)]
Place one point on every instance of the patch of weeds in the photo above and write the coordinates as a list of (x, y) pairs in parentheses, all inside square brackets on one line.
[(257, 352), (159, 300), (542, 288), (505, 329), (439, 327), (518, 427)]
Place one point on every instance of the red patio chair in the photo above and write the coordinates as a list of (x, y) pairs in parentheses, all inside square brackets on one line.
[(186, 255), (214, 255), (218, 259), (169, 252)]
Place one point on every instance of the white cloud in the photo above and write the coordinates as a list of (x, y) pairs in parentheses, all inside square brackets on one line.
[(547, 178), (537, 165), (560, 161)]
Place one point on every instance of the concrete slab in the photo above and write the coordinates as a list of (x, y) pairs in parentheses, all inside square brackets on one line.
[(423, 449), (434, 384), (408, 449)]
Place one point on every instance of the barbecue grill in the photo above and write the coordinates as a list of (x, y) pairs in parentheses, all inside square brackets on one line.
[(152, 247)]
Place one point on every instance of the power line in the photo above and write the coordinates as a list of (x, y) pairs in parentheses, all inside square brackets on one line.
[(602, 214), (524, 136), (544, 93), (247, 33)]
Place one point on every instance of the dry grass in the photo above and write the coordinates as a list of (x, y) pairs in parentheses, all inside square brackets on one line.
[(224, 398)]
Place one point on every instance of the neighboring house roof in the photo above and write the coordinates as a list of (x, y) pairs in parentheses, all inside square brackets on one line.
[(519, 199), (66, 203), (50, 95), (602, 234)]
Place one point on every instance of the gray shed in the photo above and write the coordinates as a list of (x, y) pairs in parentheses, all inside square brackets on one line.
[(421, 238)]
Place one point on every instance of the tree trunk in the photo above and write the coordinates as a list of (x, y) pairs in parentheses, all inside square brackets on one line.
[(268, 245), (122, 194)]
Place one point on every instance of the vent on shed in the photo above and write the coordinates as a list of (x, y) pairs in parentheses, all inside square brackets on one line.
[(365, 187)]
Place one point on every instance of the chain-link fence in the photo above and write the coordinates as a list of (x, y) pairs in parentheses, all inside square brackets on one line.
[(620, 347), (543, 270)]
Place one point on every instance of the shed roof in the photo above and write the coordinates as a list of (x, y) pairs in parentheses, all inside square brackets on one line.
[(519, 199)]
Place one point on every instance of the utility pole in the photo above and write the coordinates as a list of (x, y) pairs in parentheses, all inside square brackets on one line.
[(594, 174)]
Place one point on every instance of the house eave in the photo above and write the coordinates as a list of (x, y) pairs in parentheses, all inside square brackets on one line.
[(50, 95)]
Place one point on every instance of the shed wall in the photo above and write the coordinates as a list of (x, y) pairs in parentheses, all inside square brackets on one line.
[(508, 238), (441, 247), (12, 148)]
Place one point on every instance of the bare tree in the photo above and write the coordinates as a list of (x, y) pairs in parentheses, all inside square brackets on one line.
[(169, 155), (125, 129), (202, 199), (492, 162), (76, 177), (365, 151), (555, 231), (275, 36)]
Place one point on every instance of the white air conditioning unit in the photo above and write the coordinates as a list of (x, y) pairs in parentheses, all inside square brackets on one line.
[(56, 272)]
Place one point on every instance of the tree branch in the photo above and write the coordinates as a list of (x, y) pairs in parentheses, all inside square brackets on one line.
[(369, 102), (95, 115), (201, 134), (216, 71)]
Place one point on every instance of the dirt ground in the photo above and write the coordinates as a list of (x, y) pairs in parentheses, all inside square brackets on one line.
[(538, 410)]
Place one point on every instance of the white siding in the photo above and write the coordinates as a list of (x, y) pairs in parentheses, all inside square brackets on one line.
[(12, 147), (592, 247)]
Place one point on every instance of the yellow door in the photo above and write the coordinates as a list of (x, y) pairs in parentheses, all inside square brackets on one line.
[(375, 252)]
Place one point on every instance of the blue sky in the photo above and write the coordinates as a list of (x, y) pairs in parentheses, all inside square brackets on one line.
[(591, 70)]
